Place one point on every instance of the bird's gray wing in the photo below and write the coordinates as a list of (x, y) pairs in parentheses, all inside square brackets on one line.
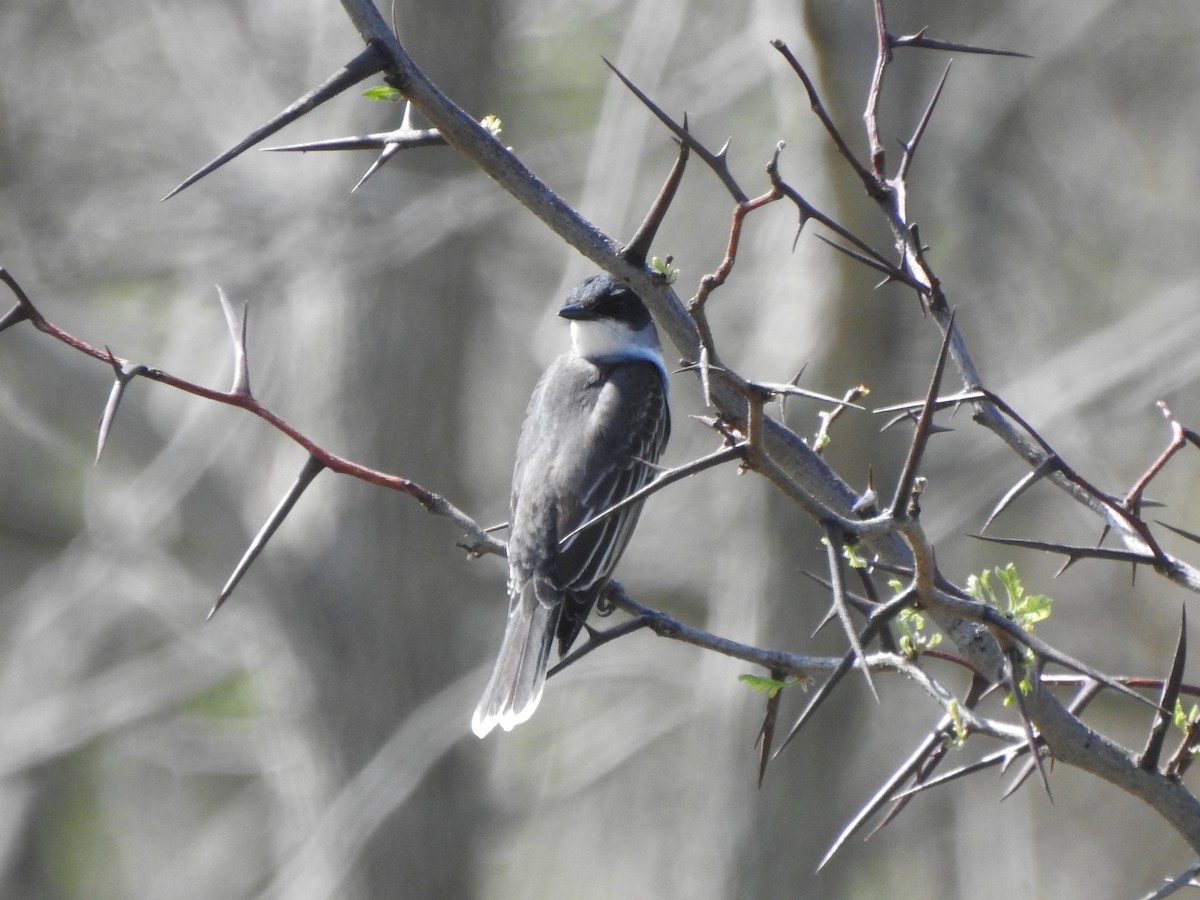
[(627, 429), (535, 600), (590, 438)]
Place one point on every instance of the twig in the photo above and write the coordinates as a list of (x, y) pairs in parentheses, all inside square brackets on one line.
[(480, 542)]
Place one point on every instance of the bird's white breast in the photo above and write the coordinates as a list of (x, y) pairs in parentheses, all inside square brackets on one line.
[(609, 340)]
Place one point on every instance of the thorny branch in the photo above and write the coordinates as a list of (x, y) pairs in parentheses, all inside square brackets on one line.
[(479, 541), (891, 195), (987, 643), (914, 270)]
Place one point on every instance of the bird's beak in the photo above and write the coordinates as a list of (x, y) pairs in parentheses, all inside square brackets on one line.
[(576, 312)]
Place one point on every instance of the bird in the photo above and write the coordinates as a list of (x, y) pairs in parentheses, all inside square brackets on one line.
[(596, 424)]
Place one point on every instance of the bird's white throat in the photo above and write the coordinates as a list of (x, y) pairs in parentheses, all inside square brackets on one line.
[(608, 340)]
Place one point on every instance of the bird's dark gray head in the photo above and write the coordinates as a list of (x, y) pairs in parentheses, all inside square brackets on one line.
[(603, 297), (609, 322)]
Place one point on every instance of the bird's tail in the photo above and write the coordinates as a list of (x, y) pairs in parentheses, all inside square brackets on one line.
[(513, 692)]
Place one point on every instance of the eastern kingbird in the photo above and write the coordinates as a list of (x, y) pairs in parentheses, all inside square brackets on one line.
[(595, 427)]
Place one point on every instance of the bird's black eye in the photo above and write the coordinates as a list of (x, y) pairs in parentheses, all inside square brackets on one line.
[(603, 297), (623, 305)]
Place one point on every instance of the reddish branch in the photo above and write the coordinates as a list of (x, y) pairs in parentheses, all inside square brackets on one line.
[(480, 541)]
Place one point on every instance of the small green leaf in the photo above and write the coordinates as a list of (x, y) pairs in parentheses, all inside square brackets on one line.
[(492, 125), (664, 268), (852, 556), (383, 92), (1025, 685), (1025, 610), (850, 553), (765, 685), (1186, 720), (913, 639), (960, 731)]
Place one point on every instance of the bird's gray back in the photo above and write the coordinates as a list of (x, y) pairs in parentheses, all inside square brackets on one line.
[(583, 417)]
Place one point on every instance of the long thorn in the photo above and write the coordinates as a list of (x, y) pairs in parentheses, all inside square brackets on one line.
[(638, 248), (910, 148), (725, 454), (1044, 468), (924, 422), (879, 618), (1166, 701), (362, 66), (838, 587), (312, 468), (125, 373), (715, 161), (888, 791), (237, 334)]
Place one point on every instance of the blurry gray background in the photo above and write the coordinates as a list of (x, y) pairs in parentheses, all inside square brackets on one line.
[(312, 741)]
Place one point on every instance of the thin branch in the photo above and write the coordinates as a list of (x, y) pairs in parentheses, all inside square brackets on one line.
[(1186, 878), (1179, 440), (1074, 553), (1114, 510), (740, 212), (597, 639), (822, 438), (369, 62), (479, 541), (814, 101), (718, 161), (883, 56), (665, 626), (716, 458)]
